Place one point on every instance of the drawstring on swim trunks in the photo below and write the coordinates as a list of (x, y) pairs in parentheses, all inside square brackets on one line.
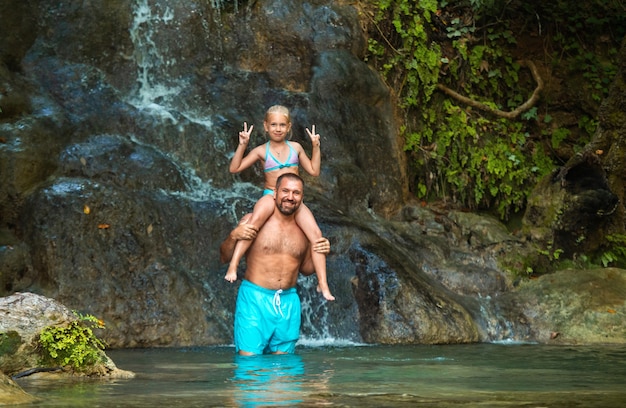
[(276, 302)]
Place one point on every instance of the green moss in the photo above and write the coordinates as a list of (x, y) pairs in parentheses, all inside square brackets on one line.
[(9, 342)]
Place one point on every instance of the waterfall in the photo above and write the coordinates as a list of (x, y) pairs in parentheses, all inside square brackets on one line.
[(317, 322), (494, 325), (150, 60), (156, 95)]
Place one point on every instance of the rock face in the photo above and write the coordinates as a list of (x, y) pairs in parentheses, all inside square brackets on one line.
[(117, 126), (24, 316)]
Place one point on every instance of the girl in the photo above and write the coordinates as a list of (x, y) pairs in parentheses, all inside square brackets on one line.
[(279, 156)]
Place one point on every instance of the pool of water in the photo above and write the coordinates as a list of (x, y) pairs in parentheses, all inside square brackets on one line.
[(478, 375)]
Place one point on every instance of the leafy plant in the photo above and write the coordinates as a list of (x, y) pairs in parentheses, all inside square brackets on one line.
[(615, 254), (75, 344), (402, 51), (558, 136)]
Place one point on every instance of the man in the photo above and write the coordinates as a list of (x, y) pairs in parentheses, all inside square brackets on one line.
[(267, 315)]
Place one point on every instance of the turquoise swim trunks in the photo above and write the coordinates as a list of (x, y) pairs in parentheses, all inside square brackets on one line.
[(268, 191), (266, 321)]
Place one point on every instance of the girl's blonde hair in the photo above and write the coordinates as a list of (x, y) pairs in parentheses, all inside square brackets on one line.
[(280, 110)]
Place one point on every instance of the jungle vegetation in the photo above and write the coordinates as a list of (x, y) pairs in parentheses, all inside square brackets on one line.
[(475, 80)]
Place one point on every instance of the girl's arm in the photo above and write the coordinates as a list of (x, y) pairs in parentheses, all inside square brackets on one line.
[(314, 164), (239, 162)]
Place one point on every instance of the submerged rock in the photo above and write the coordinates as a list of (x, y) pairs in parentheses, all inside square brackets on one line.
[(12, 394)]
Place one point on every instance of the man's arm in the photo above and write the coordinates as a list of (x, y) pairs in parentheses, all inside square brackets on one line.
[(322, 246), (243, 230)]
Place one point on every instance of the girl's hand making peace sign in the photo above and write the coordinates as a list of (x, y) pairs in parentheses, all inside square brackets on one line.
[(244, 135), (315, 138)]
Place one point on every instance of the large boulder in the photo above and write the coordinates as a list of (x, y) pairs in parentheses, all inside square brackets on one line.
[(23, 317), (575, 306)]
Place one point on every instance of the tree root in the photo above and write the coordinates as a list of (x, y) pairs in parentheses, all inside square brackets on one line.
[(36, 370), (509, 115)]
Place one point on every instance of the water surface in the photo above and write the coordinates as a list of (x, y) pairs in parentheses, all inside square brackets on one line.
[(479, 375)]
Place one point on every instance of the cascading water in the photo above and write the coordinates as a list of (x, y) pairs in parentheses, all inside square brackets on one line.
[(318, 324), (151, 63)]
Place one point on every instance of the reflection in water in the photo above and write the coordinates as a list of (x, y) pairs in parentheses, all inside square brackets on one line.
[(264, 379)]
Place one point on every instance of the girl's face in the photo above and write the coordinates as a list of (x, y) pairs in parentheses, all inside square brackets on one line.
[(277, 126)]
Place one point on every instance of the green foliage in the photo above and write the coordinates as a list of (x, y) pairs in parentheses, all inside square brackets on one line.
[(546, 259), (473, 158), (479, 161), (406, 58), (588, 125), (615, 254), (73, 345), (596, 74), (477, 167), (558, 135), (584, 40), (553, 255)]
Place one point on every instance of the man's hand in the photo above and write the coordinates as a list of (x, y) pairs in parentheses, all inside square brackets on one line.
[(244, 230), (322, 246)]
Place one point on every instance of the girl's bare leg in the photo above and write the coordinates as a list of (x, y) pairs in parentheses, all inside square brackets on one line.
[(263, 209), (306, 222)]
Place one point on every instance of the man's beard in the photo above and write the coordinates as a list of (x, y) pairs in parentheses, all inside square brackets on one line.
[(289, 210)]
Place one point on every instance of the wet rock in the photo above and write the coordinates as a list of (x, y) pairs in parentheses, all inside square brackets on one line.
[(577, 204), (118, 161), (130, 256), (397, 308)]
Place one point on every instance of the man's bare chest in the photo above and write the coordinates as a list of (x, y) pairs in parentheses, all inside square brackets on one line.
[(288, 241)]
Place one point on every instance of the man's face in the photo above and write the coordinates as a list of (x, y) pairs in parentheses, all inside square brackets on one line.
[(289, 196)]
